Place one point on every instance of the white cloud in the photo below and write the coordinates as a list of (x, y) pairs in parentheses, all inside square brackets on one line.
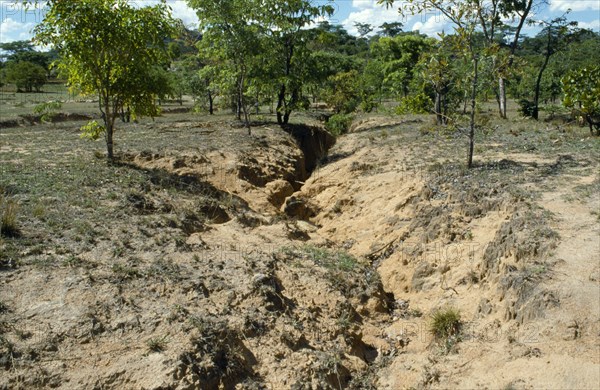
[(185, 13), (13, 30), (368, 11), (574, 5), (432, 26), (594, 25)]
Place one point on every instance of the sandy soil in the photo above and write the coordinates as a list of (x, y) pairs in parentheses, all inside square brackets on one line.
[(260, 277)]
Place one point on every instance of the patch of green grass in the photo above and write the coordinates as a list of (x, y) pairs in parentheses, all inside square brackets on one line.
[(333, 260), (445, 323)]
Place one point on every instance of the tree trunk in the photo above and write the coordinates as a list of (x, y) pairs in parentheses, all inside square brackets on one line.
[(538, 82), (241, 101), (109, 141), (281, 105), (502, 97), (473, 105), (210, 103), (108, 124), (438, 108)]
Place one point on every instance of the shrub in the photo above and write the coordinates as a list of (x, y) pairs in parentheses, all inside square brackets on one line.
[(47, 110), (527, 107), (339, 124), (416, 104), (445, 323)]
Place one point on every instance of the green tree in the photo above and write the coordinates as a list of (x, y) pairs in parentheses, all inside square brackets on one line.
[(494, 17), (286, 46), (27, 76), (390, 29), (19, 51), (231, 39), (398, 57), (582, 92), (109, 48), (343, 92), (555, 35), (464, 16)]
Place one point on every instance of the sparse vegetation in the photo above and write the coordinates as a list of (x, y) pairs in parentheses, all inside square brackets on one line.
[(445, 323), (8, 217), (212, 259), (157, 344)]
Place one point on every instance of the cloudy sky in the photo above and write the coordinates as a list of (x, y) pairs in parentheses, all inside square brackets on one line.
[(16, 22)]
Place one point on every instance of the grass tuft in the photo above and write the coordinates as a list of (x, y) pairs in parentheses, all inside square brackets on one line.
[(445, 323), (8, 217)]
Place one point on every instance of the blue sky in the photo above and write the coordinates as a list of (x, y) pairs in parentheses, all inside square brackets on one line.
[(16, 22)]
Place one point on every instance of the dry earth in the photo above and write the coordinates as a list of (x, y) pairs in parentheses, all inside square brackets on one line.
[(209, 259)]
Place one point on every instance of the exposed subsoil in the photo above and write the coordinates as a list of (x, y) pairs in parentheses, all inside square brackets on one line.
[(283, 261)]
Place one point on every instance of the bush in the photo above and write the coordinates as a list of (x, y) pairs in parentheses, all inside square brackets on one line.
[(527, 108), (416, 104), (47, 110), (339, 124), (445, 323)]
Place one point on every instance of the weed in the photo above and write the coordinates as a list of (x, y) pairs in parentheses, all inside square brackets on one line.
[(8, 217), (39, 211), (338, 260), (339, 124), (157, 344), (72, 261), (125, 272), (345, 321), (47, 110), (445, 323)]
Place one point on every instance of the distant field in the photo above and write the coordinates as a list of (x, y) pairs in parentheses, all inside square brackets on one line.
[(13, 104)]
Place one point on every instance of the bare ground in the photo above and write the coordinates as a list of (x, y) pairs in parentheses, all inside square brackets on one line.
[(209, 259)]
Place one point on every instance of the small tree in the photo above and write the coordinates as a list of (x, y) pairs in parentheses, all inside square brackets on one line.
[(26, 76), (109, 48), (464, 16), (582, 92), (555, 36)]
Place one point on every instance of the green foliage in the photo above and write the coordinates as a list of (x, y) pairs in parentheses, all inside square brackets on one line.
[(526, 107), (339, 124), (27, 76), (116, 56), (397, 59), (47, 110), (342, 93), (415, 104), (92, 131), (582, 92), (19, 51), (445, 323)]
